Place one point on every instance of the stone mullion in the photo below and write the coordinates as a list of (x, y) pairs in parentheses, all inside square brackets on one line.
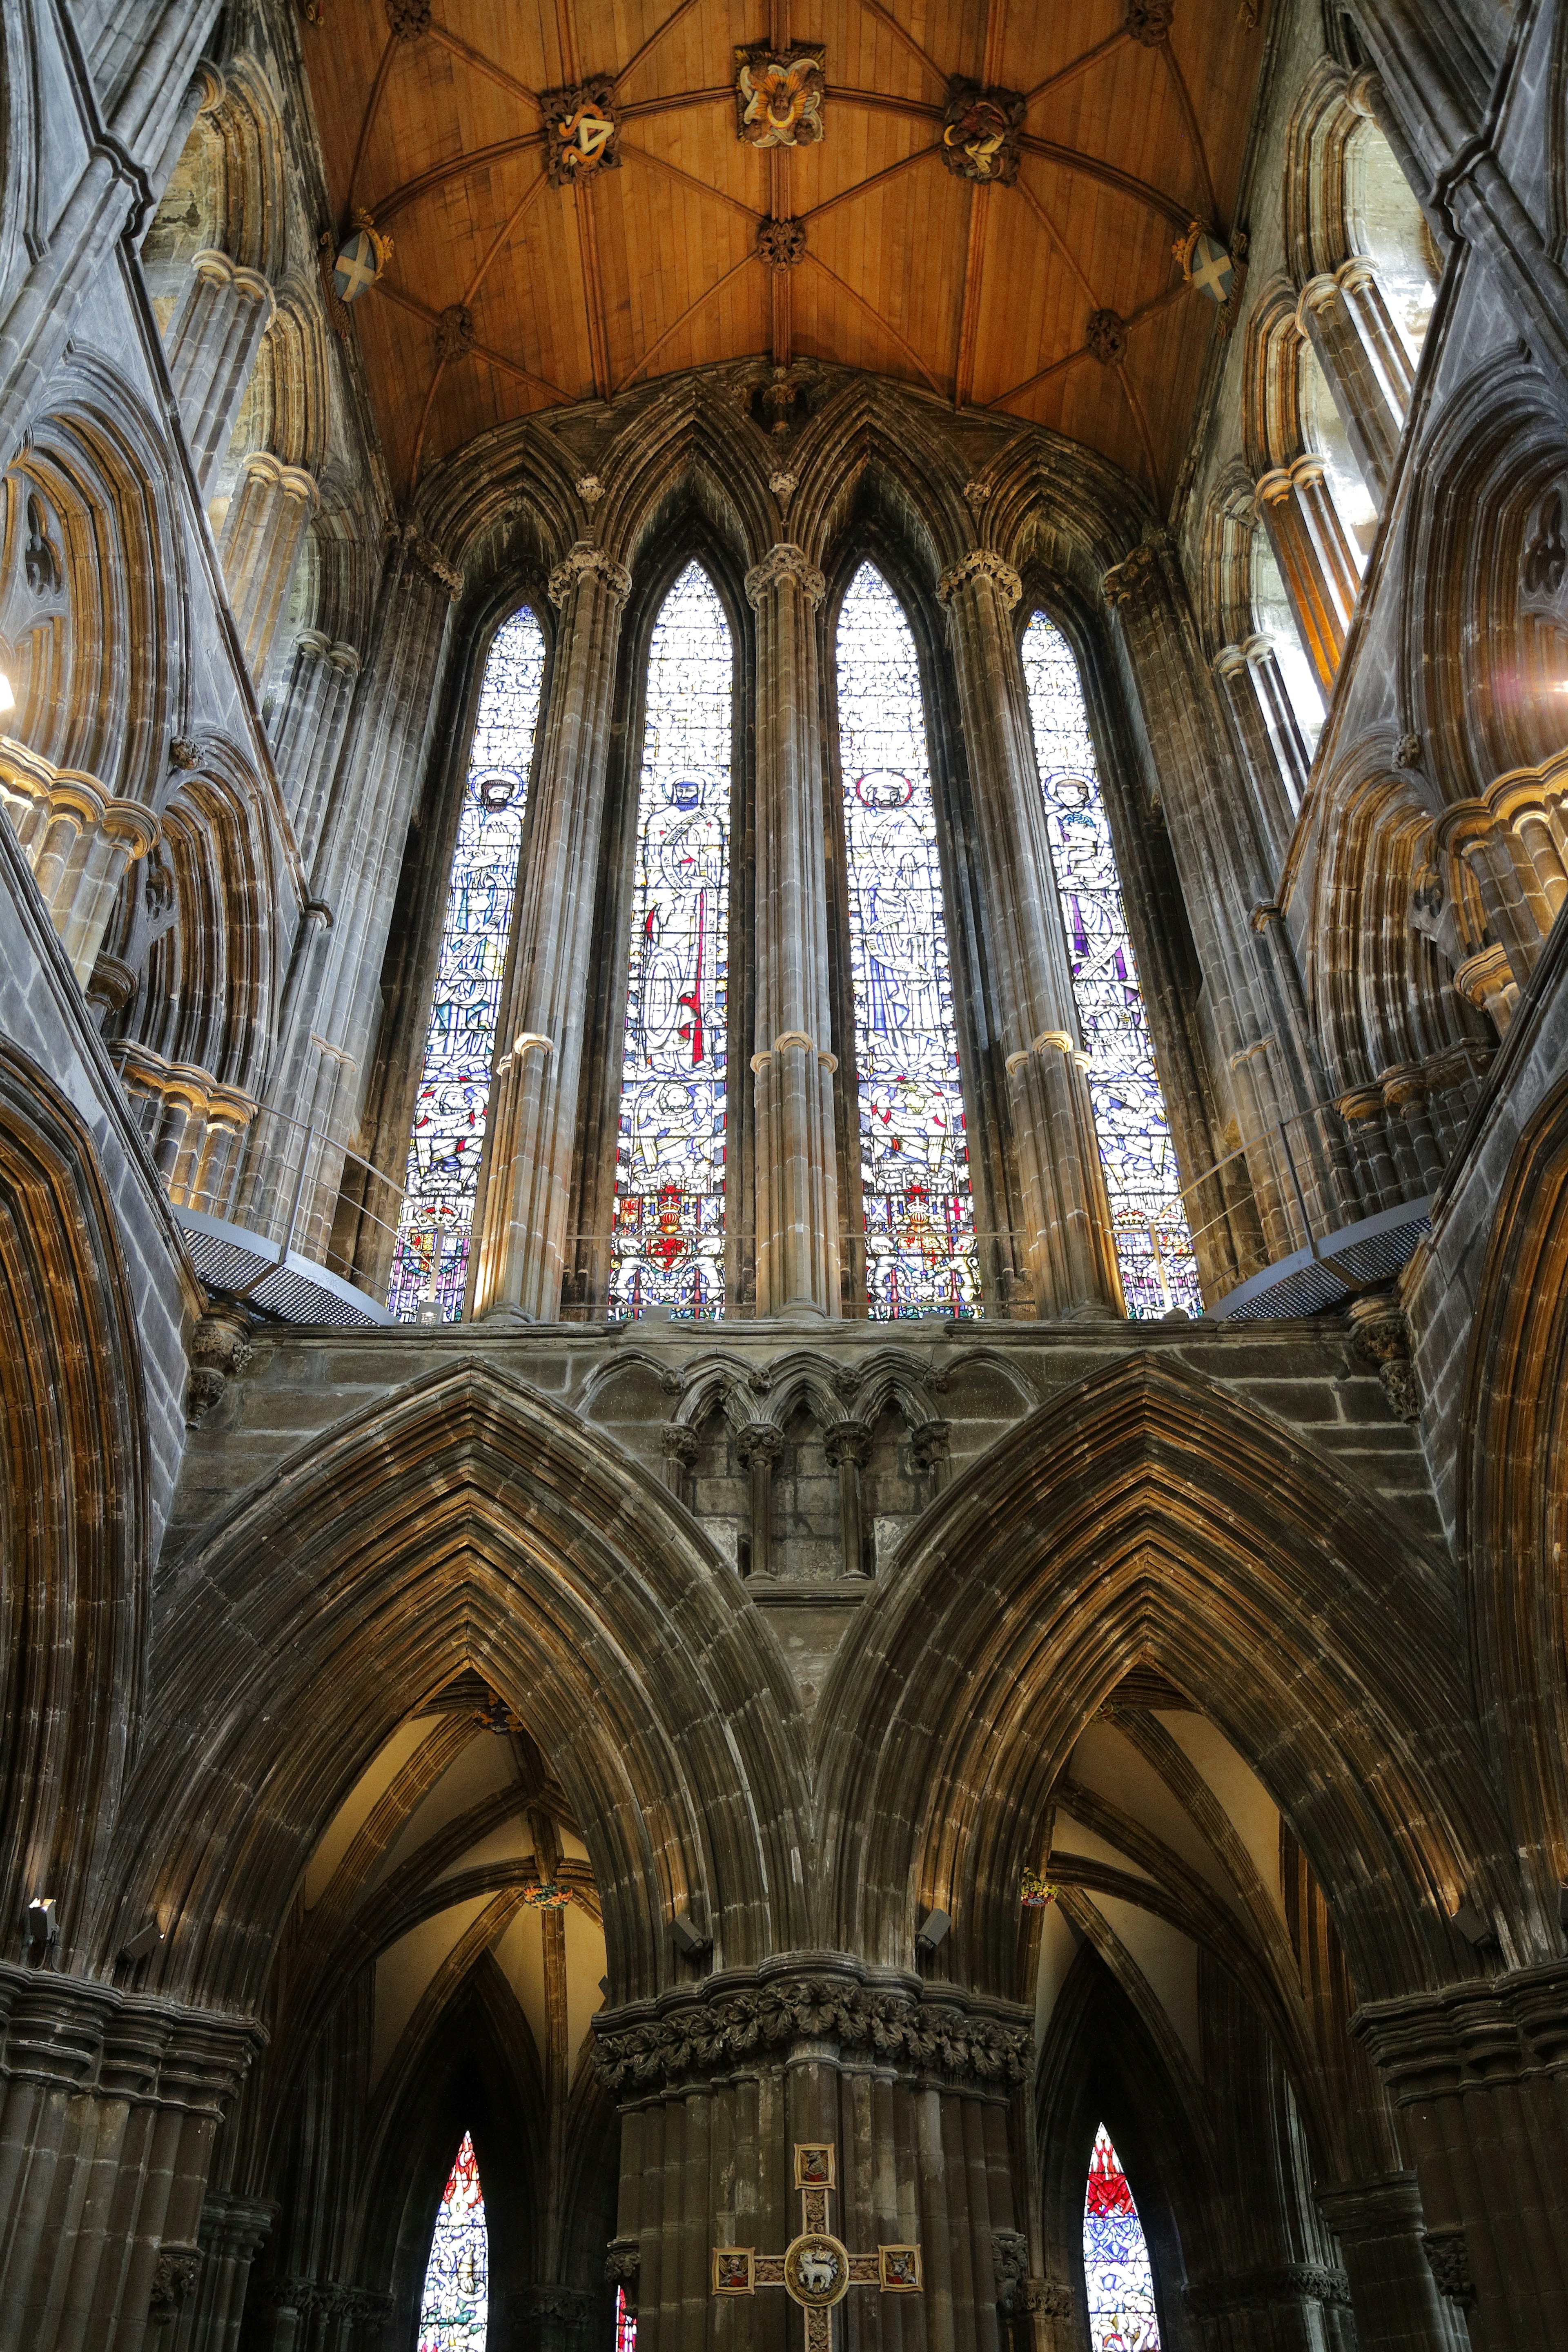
[(521, 1238), (1244, 696), (1315, 558), (1370, 418), (212, 346), (1068, 1241), (262, 535), (1386, 349), (310, 724), (759, 1445), (796, 1158)]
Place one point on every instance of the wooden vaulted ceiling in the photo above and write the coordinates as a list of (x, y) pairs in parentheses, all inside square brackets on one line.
[(431, 122)]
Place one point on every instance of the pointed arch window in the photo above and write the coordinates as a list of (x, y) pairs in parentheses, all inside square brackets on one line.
[(1117, 2274), (914, 1152), (430, 1261), (1153, 1243), (668, 1241), (625, 2323), (454, 2311)]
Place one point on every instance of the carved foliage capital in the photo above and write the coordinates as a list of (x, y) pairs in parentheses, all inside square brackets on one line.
[(586, 562), (784, 562), (981, 563)]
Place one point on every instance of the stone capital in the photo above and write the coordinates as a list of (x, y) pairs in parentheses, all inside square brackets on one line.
[(679, 1442), (1132, 576), (981, 563), (784, 562), (846, 1441), (759, 1442), (586, 562)]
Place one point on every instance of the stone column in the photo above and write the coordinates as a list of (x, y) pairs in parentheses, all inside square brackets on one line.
[(78, 841), (848, 1445), (1256, 1002), (1068, 1242), (1316, 560), (308, 723), (678, 1445), (233, 2231), (1271, 745), (262, 535), (1393, 2291), (1476, 2072), (212, 342), (716, 2090), (759, 1446), (1329, 315), (1513, 903), (797, 1156), (520, 1238)]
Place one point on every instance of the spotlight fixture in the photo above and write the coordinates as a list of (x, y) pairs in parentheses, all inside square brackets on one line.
[(689, 1940), (931, 1930), (42, 1925), (605, 1987), (143, 1943), (1475, 1930)]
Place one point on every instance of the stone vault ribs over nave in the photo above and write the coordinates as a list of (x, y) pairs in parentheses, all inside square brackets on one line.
[(642, 1752)]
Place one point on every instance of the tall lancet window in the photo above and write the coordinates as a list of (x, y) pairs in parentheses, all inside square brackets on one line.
[(1116, 2272), (915, 1152), (670, 1161), (432, 1254), (454, 2313), (1152, 1240)]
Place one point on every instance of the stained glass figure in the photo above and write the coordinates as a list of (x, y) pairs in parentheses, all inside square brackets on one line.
[(1153, 1243), (669, 1244), (914, 1152), (454, 2312), (625, 2323), (1116, 2270), (432, 1254)]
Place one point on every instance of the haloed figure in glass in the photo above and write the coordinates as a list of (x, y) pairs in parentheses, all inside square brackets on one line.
[(670, 1162), (1117, 2275), (434, 1231), (1153, 1241), (914, 1153), (454, 2313)]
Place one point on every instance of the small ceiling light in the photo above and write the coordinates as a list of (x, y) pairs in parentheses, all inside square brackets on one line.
[(143, 1943), (1475, 1930), (42, 1924)]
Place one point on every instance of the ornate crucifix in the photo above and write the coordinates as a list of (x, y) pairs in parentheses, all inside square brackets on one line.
[(816, 2270)]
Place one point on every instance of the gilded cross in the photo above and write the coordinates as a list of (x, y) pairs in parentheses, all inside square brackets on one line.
[(816, 2270)]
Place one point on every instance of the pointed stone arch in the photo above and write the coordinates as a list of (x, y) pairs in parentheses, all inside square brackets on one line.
[(1140, 1514), (468, 1521)]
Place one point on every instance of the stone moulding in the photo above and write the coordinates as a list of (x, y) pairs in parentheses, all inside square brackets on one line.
[(743, 2022), (1269, 2290)]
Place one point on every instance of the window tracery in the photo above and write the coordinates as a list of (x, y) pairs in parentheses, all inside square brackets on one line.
[(914, 1150), (668, 1241), (1117, 2274), (1153, 1243), (454, 2310), (431, 1258)]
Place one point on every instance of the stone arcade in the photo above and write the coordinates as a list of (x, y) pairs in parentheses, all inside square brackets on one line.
[(783, 1175)]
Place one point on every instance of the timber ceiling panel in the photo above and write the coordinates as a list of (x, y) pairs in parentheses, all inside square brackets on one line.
[(431, 120)]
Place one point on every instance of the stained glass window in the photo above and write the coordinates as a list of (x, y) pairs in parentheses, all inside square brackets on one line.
[(1116, 2272), (625, 2323), (1152, 1240), (454, 2312), (669, 1158), (432, 1252), (914, 1153)]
